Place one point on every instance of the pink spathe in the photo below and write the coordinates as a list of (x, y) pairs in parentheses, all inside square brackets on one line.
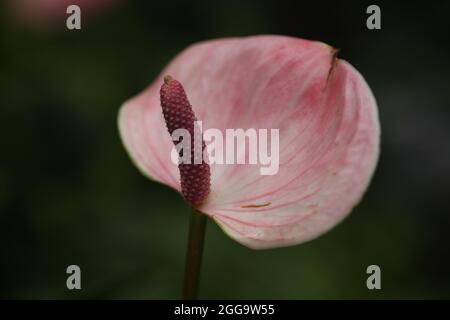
[(328, 133)]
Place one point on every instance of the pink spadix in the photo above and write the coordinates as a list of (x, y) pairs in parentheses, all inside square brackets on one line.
[(178, 114)]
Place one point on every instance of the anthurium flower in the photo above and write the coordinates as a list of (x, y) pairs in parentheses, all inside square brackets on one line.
[(328, 134)]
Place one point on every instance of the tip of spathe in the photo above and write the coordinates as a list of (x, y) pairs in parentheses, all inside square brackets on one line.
[(335, 52), (167, 79)]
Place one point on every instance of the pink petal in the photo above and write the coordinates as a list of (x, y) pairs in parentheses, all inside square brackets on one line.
[(328, 128)]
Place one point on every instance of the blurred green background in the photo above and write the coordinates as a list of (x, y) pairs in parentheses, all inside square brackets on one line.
[(69, 194)]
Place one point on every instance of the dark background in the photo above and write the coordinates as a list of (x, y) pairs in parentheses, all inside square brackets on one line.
[(69, 194)]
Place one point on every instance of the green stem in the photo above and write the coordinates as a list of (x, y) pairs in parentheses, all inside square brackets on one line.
[(197, 225)]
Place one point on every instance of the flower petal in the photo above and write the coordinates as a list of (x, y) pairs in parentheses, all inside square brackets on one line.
[(328, 134), (143, 132)]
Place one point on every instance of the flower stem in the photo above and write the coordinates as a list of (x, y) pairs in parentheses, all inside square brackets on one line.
[(197, 225)]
